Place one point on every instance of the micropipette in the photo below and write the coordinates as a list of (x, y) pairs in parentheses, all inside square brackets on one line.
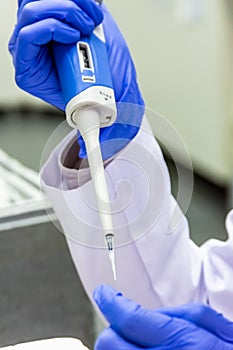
[(85, 78)]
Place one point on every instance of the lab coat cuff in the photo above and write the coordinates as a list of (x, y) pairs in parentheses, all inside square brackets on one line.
[(75, 170)]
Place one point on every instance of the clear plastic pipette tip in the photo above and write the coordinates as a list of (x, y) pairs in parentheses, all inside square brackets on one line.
[(110, 248), (112, 260)]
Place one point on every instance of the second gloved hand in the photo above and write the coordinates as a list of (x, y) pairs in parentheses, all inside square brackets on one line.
[(189, 327), (41, 22)]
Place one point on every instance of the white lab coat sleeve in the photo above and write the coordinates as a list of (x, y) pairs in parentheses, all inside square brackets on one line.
[(156, 262), (218, 270)]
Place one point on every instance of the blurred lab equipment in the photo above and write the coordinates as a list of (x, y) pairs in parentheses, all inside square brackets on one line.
[(21, 201)]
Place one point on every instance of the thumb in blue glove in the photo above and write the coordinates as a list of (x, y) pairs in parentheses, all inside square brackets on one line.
[(189, 327)]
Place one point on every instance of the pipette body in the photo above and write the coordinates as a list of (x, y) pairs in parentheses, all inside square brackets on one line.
[(86, 83)]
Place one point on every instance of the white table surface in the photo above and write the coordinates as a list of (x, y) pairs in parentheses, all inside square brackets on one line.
[(49, 344)]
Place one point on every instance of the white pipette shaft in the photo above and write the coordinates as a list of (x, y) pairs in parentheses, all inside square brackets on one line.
[(88, 123)]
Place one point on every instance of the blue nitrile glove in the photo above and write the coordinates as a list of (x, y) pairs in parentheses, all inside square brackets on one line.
[(189, 327), (43, 21)]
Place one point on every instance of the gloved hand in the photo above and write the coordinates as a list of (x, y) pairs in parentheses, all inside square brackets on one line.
[(189, 327), (43, 21)]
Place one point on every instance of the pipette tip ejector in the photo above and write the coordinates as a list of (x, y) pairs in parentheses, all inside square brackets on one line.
[(110, 247)]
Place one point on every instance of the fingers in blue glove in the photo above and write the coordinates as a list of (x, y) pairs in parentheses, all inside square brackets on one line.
[(205, 317), (32, 37), (89, 7), (30, 49), (130, 320), (67, 12)]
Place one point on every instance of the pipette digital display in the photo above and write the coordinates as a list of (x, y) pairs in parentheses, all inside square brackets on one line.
[(85, 78)]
